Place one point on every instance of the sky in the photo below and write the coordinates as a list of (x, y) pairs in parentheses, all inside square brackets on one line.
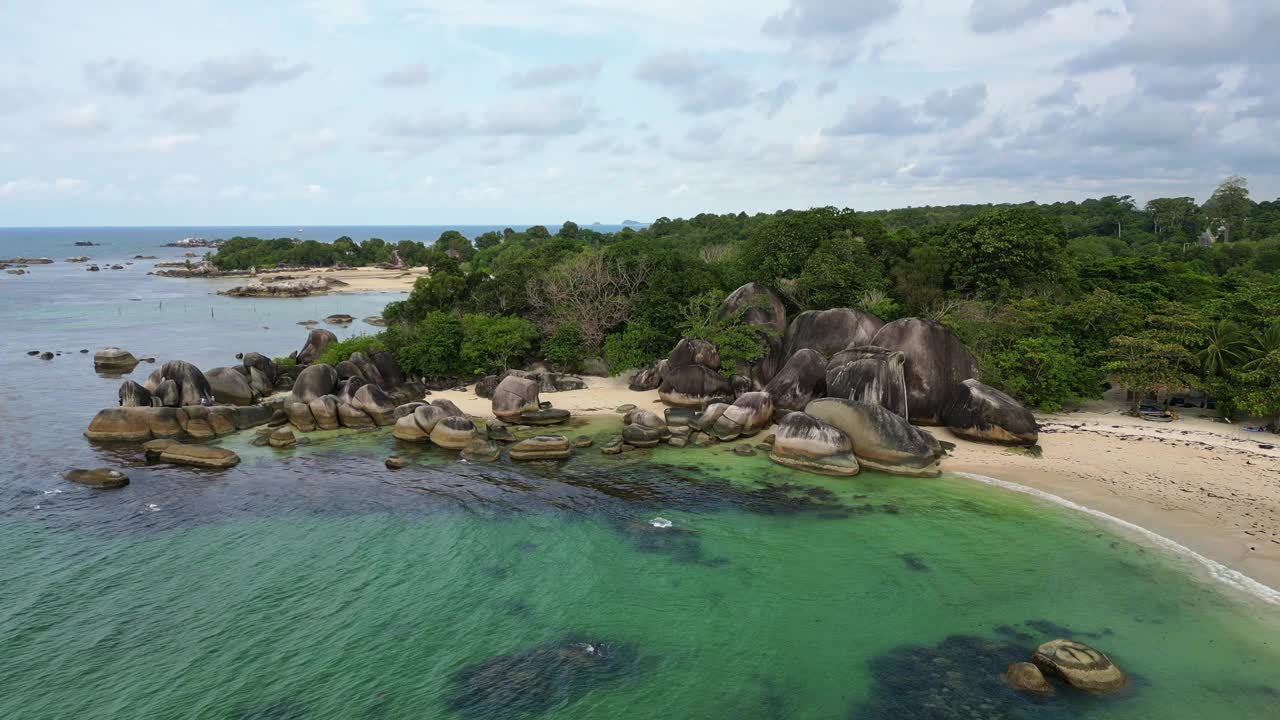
[(515, 111)]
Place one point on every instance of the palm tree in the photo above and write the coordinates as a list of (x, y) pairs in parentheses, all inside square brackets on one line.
[(1224, 347), (1262, 344)]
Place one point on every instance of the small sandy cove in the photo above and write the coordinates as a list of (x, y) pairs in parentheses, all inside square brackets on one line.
[(366, 279), (1206, 485)]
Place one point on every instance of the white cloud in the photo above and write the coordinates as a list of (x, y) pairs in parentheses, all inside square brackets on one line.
[(129, 77), (86, 119), (197, 113), (407, 76), (555, 75), (184, 179), (311, 142), (168, 142), (237, 73)]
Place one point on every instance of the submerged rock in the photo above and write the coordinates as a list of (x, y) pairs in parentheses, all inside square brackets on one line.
[(481, 450), (203, 456), (1026, 676)]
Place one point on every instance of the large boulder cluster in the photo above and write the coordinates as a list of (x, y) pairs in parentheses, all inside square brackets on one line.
[(851, 374), (361, 392)]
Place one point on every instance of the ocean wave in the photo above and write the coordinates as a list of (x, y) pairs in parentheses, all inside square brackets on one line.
[(1217, 570)]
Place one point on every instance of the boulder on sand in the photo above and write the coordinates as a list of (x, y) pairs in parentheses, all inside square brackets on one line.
[(761, 308), (830, 331), (134, 395), (806, 443), (869, 374), (513, 396), (981, 412), (317, 339), (751, 412), (801, 380), (1079, 665), (882, 440), (936, 364), (648, 378), (230, 387), (135, 424), (454, 433), (542, 447), (114, 360), (98, 477), (692, 386)]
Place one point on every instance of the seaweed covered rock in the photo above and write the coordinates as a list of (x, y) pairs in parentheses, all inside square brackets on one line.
[(542, 447), (801, 380), (882, 440), (132, 394), (514, 396), (806, 443), (230, 386), (1079, 665), (693, 386), (830, 331), (869, 374), (317, 340), (641, 436), (761, 308), (481, 450), (936, 364), (980, 412)]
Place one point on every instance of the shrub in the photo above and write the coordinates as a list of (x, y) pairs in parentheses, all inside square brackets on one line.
[(639, 345), (285, 361), (563, 348), (431, 347), (491, 343), (334, 353)]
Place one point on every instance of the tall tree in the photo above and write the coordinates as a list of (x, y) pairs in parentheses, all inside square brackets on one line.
[(1230, 206)]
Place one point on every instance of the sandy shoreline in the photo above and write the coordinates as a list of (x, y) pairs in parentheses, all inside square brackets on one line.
[(1208, 486), (367, 279)]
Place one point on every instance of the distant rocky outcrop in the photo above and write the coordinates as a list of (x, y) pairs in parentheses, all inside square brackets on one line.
[(285, 288), (114, 360)]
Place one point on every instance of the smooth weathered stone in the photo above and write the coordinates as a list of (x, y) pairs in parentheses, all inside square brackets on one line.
[(498, 431), (230, 387), (481, 450), (583, 441), (1079, 665), (801, 380), (612, 446), (644, 418), (625, 408), (97, 478), (830, 331), (132, 394), (762, 309), (542, 447), (679, 416), (282, 438), (193, 386), (692, 386), (937, 362), (317, 339), (135, 424), (300, 416), (882, 440), (324, 410), (694, 351), (152, 449), (395, 462), (313, 382), (453, 432), (353, 417), (981, 412), (372, 401), (407, 429), (203, 456), (114, 360), (806, 443), (744, 450), (869, 374), (708, 417), (514, 396), (1026, 676), (752, 412), (641, 436)]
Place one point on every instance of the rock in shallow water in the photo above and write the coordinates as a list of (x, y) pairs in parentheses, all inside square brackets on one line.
[(1026, 676), (1079, 665), (203, 456), (98, 478), (543, 447)]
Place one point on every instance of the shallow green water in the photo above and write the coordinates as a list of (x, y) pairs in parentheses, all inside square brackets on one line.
[(313, 584)]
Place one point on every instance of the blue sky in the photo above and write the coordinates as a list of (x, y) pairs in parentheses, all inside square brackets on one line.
[(419, 111)]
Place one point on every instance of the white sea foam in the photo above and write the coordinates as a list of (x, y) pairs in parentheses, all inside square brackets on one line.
[(1217, 570)]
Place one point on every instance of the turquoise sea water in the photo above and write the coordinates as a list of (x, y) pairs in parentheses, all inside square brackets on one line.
[(314, 583)]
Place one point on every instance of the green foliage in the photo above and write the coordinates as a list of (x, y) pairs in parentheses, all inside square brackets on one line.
[(1005, 250), (334, 353), (285, 362), (563, 347), (837, 273), (639, 345), (431, 347), (1044, 372), (735, 340), (492, 343)]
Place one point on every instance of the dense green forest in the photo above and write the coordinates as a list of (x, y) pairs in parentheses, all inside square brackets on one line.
[(1053, 299)]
